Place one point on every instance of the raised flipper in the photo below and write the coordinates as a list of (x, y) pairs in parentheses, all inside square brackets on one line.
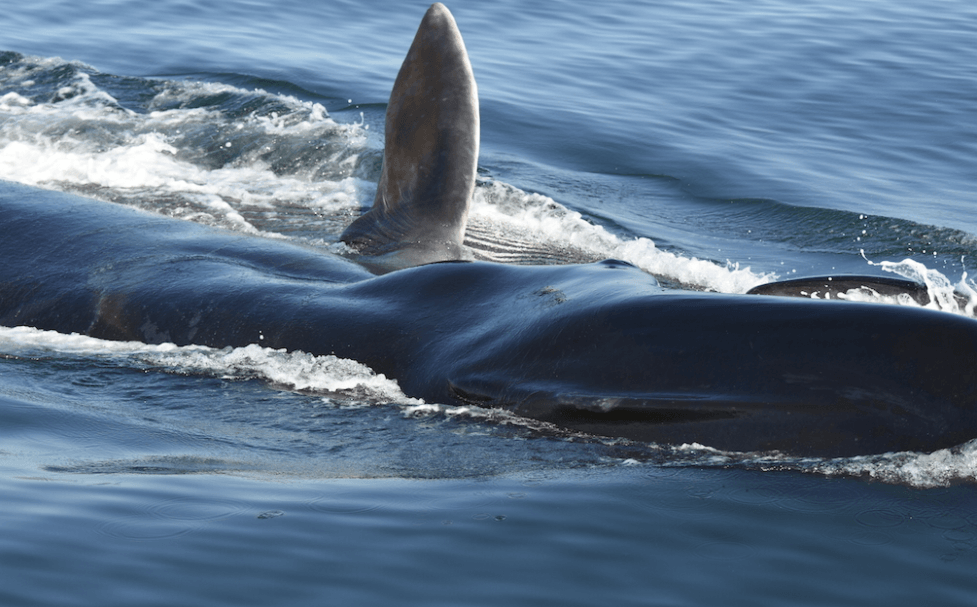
[(830, 287), (430, 154)]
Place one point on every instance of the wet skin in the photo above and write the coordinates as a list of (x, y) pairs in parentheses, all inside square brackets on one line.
[(599, 348)]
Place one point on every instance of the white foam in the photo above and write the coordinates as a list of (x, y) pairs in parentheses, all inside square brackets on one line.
[(85, 141), (551, 223), (296, 370), (938, 469), (12, 103)]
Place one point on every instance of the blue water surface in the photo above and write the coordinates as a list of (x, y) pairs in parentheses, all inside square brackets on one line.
[(788, 137)]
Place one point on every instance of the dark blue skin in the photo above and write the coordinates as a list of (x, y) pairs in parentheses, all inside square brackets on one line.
[(599, 348)]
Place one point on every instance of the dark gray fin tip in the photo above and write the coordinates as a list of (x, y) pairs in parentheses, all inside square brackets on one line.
[(832, 286), (430, 154)]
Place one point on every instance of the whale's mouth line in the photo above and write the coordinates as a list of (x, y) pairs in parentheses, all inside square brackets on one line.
[(620, 416)]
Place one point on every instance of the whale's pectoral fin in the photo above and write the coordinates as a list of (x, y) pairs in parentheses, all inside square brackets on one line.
[(830, 287), (430, 154)]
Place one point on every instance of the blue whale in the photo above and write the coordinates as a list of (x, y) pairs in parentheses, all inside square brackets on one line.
[(598, 348)]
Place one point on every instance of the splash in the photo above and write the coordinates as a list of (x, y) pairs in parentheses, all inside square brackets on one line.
[(336, 378), (959, 298)]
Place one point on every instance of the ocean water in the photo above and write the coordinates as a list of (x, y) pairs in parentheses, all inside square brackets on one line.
[(714, 144)]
